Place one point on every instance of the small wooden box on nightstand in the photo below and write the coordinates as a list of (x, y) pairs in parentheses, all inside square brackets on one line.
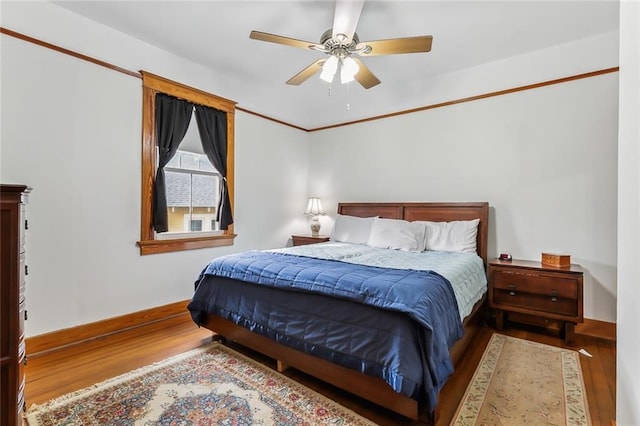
[(534, 293), (301, 240)]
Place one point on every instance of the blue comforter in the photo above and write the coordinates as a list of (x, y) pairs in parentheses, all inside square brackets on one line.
[(424, 296)]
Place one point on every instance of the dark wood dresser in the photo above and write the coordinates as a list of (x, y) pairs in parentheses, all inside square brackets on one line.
[(533, 293), (12, 303)]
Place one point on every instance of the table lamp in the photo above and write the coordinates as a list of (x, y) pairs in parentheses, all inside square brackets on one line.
[(314, 209)]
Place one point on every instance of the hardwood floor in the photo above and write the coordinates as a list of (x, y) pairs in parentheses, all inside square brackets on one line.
[(58, 372)]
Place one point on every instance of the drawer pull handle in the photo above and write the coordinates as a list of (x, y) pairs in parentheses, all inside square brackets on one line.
[(512, 290), (554, 296)]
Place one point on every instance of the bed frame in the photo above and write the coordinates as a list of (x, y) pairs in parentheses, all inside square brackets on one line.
[(372, 388)]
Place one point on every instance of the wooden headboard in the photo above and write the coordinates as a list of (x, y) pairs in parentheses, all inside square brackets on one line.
[(434, 212)]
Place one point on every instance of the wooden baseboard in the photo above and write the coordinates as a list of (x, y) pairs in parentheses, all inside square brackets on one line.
[(42, 343), (595, 328), (47, 342)]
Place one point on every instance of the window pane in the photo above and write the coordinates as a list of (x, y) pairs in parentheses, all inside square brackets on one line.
[(191, 198), (205, 164), (204, 191), (174, 162), (189, 161), (178, 189)]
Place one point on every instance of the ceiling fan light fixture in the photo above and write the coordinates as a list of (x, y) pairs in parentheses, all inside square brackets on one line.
[(329, 69), (348, 70), (342, 45)]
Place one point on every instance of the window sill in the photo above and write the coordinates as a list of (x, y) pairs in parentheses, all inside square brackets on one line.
[(180, 244), (188, 235)]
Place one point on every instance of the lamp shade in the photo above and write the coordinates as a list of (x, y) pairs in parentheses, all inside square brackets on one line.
[(329, 69), (314, 207), (349, 70)]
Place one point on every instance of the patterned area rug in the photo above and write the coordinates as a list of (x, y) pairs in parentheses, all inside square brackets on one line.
[(212, 385), (519, 382)]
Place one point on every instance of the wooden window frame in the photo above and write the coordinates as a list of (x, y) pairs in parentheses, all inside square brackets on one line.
[(151, 85)]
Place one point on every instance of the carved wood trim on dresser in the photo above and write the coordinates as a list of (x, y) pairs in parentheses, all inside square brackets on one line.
[(12, 302)]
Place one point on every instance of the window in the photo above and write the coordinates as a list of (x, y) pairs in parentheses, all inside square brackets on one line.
[(192, 212), (193, 192)]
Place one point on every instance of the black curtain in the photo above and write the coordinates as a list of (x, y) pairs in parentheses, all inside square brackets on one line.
[(172, 121), (212, 125)]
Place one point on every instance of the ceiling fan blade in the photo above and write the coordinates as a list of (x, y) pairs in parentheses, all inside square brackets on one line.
[(346, 17), (287, 41), (364, 76), (303, 75), (397, 45)]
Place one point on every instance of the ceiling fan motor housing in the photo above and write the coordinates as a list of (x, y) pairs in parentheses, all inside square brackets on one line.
[(335, 45)]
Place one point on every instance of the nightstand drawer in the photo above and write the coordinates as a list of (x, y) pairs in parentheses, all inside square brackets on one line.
[(533, 283), (552, 304)]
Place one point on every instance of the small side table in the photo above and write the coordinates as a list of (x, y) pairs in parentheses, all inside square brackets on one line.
[(301, 240), (534, 293)]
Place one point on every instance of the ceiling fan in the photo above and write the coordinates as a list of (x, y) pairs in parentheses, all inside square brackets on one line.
[(343, 45)]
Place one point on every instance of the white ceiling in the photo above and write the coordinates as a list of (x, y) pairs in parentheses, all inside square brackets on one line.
[(465, 34)]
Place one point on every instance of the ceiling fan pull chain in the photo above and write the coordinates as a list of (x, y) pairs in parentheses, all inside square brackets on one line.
[(348, 93)]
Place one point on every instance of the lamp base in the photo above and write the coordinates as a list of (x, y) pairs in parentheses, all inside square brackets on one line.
[(315, 226)]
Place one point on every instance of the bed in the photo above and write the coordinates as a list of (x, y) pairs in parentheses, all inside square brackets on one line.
[(324, 328)]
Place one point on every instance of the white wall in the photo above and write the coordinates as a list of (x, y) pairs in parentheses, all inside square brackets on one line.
[(72, 131), (628, 350), (45, 21), (544, 159), (271, 182)]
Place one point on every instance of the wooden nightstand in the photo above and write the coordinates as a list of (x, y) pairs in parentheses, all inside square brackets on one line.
[(301, 240), (537, 294)]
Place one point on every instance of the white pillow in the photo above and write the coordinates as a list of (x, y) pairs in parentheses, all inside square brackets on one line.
[(351, 229), (397, 234), (459, 235)]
